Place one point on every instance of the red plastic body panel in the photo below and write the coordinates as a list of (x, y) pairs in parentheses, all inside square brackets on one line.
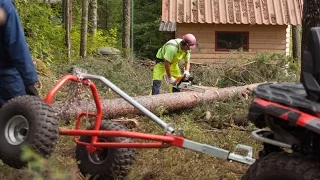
[(298, 117)]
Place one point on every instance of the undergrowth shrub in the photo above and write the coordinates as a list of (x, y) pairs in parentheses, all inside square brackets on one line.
[(266, 66), (39, 168), (222, 114), (101, 39), (261, 68), (129, 76), (43, 30)]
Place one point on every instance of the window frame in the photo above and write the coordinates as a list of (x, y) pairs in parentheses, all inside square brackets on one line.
[(230, 32)]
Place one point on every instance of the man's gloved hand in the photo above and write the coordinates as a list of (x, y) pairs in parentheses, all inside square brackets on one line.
[(172, 80), (186, 75), (31, 90)]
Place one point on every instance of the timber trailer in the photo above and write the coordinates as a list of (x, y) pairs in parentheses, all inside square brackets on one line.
[(106, 149)]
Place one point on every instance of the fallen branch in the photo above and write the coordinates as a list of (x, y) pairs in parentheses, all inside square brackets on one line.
[(236, 127), (232, 79), (242, 65)]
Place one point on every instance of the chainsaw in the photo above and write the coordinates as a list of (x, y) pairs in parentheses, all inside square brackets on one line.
[(185, 84)]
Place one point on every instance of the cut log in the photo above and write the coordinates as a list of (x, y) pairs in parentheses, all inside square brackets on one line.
[(114, 108)]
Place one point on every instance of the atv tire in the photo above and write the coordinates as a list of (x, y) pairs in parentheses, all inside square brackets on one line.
[(283, 166), (26, 120), (108, 163)]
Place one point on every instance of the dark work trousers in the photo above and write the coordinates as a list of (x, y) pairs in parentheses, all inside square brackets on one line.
[(156, 84)]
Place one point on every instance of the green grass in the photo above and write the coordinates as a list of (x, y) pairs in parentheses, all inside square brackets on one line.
[(177, 163), (222, 123), (173, 162), (168, 163)]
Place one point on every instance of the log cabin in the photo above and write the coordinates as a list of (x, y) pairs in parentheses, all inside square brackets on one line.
[(232, 29)]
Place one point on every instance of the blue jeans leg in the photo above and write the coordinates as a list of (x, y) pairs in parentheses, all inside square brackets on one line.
[(11, 86)]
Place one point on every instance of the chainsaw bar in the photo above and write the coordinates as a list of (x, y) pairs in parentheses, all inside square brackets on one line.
[(188, 86)]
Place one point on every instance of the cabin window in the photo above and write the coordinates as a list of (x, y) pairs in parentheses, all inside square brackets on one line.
[(227, 41)]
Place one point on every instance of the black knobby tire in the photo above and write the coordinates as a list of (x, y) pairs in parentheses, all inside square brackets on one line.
[(113, 163), (27, 120), (283, 166)]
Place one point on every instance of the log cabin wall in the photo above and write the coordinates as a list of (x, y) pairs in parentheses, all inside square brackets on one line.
[(260, 38)]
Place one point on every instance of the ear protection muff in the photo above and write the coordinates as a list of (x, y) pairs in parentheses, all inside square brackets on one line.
[(184, 42)]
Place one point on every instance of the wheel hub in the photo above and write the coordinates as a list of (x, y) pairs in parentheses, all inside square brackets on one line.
[(100, 155), (16, 130)]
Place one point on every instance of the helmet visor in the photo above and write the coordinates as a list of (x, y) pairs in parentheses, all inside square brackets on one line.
[(191, 45)]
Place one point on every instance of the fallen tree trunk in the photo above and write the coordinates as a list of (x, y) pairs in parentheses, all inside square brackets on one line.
[(114, 108)]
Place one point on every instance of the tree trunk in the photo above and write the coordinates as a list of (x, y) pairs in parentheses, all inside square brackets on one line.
[(103, 13), (68, 24), (311, 18), (296, 42), (126, 28), (93, 17), (113, 108), (84, 29)]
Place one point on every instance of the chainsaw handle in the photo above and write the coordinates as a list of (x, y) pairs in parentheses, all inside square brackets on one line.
[(179, 80)]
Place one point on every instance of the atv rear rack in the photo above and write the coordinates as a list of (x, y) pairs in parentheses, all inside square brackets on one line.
[(258, 135), (170, 138)]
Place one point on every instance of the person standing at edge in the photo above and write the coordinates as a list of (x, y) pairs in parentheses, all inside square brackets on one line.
[(17, 71)]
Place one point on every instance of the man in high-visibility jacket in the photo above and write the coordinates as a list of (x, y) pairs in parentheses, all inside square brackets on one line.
[(168, 58), (17, 71)]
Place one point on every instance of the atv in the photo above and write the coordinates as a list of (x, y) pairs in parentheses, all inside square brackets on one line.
[(288, 118)]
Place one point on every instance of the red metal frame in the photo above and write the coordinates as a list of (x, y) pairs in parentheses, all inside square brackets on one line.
[(163, 140)]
